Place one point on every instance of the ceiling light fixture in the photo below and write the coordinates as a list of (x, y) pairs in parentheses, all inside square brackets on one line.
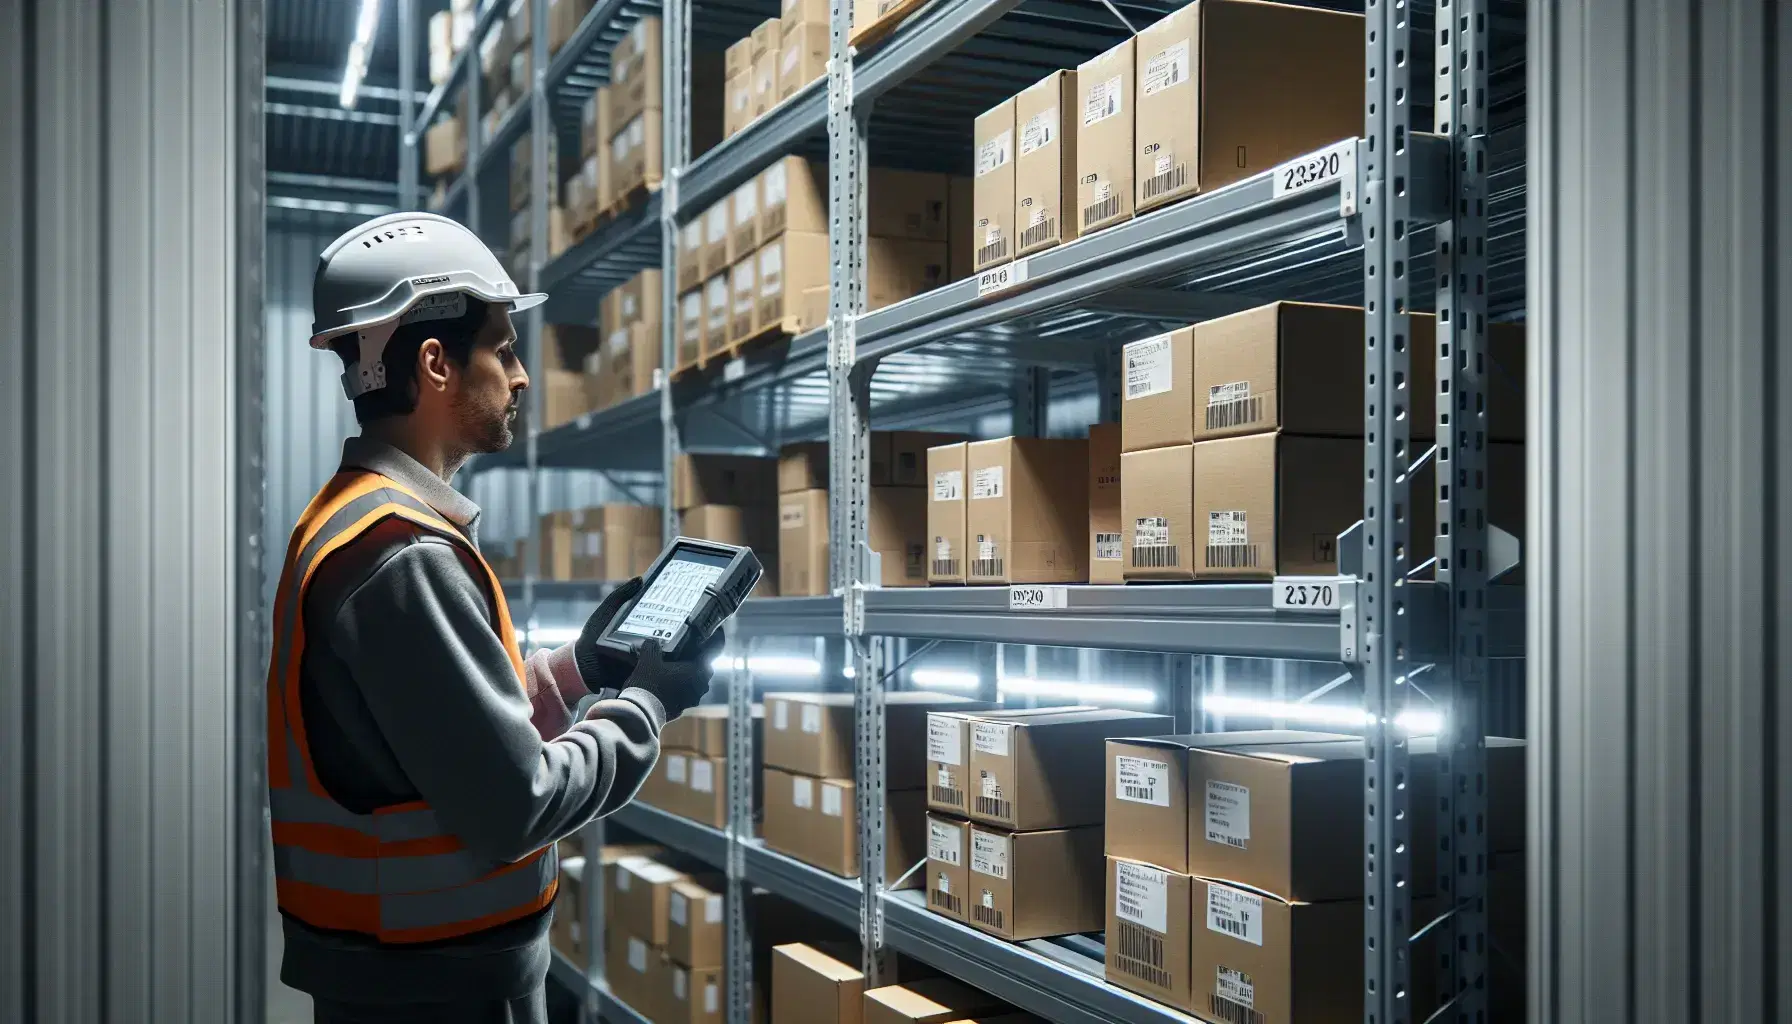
[(367, 21)]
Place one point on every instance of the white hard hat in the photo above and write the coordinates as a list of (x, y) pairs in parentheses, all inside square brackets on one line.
[(399, 269)]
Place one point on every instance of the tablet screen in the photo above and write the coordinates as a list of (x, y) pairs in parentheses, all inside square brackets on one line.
[(673, 594)]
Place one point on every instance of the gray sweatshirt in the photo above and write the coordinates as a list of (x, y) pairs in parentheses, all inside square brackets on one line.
[(407, 694)]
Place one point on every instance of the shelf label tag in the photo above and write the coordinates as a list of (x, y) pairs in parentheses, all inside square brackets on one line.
[(734, 369), (1029, 599), (1314, 169), (1005, 276), (1305, 594)]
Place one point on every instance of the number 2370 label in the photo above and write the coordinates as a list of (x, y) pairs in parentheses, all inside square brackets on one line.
[(1305, 594)]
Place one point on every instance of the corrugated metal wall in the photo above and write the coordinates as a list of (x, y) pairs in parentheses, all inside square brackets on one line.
[(124, 132), (1660, 539)]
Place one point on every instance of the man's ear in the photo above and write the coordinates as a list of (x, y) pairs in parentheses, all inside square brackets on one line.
[(433, 369)]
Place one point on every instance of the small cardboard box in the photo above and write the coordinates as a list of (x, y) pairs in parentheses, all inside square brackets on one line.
[(629, 965), (928, 1001), (690, 255), (1104, 163), (695, 995), (993, 188), (766, 37), (948, 861), (903, 461), (572, 544), (945, 514), (640, 888), (901, 268), (715, 239), (1045, 163), (816, 822), (1157, 513), (803, 467), (1149, 914), (643, 358), (1027, 511), (743, 221), (1157, 403), (897, 533), (810, 987), (638, 300), (1032, 885), (906, 204), (949, 751), (657, 790), (790, 265), (747, 480), (690, 328), (1107, 548), (764, 84), (635, 157), (695, 926), (1254, 957), (444, 148), (793, 195), (631, 540), (743, 297), (1045, 771), (737, 92), (705, 798), (1230, 88), (704, 730), (754, 526), (717, 310), (812, 733), (635, 77), (797, 13), (803, 543), (738, 57), (803, 58), (1269, 504)]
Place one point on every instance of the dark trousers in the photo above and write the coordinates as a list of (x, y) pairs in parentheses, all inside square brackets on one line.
[(528, 1009)]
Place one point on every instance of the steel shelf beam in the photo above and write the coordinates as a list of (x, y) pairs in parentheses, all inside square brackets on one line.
[(709, 845), (829, 895), (788, 616), (510, 128), (727, 165)]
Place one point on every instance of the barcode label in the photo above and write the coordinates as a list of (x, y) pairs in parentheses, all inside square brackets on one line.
[(1230, 1012), (985, 914), (1105, 99), (1142, 780), (945, 567), (946, 901), (1107, 547), (1150, 367), (986, 567), (948, 796), (994, 807), (1167, 67), (1039, 130), (1142, 896), (1140, 954), (1155, 557), (989, 854), (1040, 232), (1165, 182), (1101, 210), (948, 485), (986, 483), (1228, 814), (993, 153), (1031, 598), (945, 842), (1238, 990), (1235, 912), (1239, 556), (996, 249), (1236, 413)]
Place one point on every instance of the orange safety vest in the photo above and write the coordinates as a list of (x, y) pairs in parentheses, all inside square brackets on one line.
[(396, 874)]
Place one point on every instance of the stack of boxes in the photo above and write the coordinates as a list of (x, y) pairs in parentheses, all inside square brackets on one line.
[(1010, 510), (565, 348), (570, 928), (690, 779), (522, 219), (634, 114), (731, 499), (897, 530), (587, 191), (628, 363), (609, 542), (813, 985), (648, 947)]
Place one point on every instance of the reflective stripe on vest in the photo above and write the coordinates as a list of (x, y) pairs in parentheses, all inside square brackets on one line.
[(395, 874)]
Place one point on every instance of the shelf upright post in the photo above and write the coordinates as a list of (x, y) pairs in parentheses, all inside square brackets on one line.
[(1030, 392), (675, 143), (407, 104), (474, 69), (533, 349), (739, 942), (1383, 665), (1462, 536)]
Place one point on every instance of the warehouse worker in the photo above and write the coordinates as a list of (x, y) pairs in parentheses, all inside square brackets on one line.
[(419, 770)]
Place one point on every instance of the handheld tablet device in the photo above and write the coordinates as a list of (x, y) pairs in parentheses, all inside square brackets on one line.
[(688, 592)]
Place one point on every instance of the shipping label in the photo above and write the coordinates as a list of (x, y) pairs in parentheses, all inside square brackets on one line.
[(1151, 532), (948, 485), (1142, 780), (1039, 130), (989, 854), (994, 153), (703, 776), (986, 483), (1167, 67), (991, 738), (831, 803), (1235, 987), (1142, 896), (1107, 547), (812, 719), (1227, 529), (1105, 99), (780, 715), (802, 793), (1228, 814), (1148, 367), (945, 842), (675, 768), (945, 740), (1235, 912), (680, 909)]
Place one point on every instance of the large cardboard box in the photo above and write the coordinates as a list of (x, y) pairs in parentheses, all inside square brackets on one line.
[(766, 37), (743, 221), (1045, 163), (737, 93), (690, 328), (738, 57), (1230, 88), (1045, 771), (810, 987), (803, 57), (906, 204), (716, 221), (631, 540), (1107, 548), (1288, 365), (705, 798), (629, 965), (812, 733), (444, 148), (642, 361), (743, 298), (1027, 510), (927, 1001), (695, 926), (803, 467), (949, 751), (1157, 513), (1148, 921), (993, 138), (639, 890), (797, 13), (1157, 402), (694, 996), (900, 268), (816, 821), (746, 480), (793, 196), (635, 157), (905, 457), (948, 864), (1269, 504), (717, 309), (764, 84), (1104, 163), (572, 544), (690, 255), (704, 730), (945, 514), (897, 533), (635, 78), (803, 543), (1254, 957), (751, 526), (638, 300), (565, 397), (789, 265), (1031, 885)]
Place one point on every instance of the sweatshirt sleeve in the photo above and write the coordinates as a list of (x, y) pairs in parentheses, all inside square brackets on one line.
[(417, 637)]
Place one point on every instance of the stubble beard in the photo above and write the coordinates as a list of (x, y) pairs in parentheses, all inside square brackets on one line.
[(486, 429)]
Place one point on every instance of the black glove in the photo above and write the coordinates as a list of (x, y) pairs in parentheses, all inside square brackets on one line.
[(602, 668), (678, 683)]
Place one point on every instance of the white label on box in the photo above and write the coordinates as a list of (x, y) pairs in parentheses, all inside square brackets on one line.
[(1235, 912), (1104, 101), (790, 517), (709, 997), (944, 778), (812, 719), (987, 786), (741, 98), (945, 842), (703, 776), (576, 932), (802, 792), (1103, 191), (1148, 367), (948, 485), (1031, 599), (1314, 169), (991, 738), (680, 984), (993, 153), (986, 483), (622, 882), (1228, 814), (680, 909), (618, 341), (986, 549), (1151, 532), (1142, 896), (945, 739), (781, 709), (715, 224), (1235, 987), (1227, 529), (1236, 391), (989, 854), (736, 368), (771, 267), (1107, 547), (989, 900), (637, 956), (792, 54), (712, 910), (1005, 276), (653, 872), (772, 181), (1167, 67), (1141, 780), (1039, 130), (1305, 593), (675, 768), (942, 549), (691, 238), (746, 203), (943, 884), (992, 234), (831, 804), (1035, 216)]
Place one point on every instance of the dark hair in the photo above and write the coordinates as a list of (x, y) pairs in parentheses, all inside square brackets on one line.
[(399, 396)]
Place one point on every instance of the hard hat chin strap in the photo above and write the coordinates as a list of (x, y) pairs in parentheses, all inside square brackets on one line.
[(368, 371)]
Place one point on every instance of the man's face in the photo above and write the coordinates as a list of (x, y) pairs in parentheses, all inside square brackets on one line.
[(484, 397)]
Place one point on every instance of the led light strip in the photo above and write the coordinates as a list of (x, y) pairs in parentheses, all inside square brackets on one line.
[(366, 23)]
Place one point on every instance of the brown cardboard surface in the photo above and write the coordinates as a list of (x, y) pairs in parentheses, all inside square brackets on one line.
[(738, 57), (1046, 771), (764, 83), (1107, 549), (803, 467), (802, 57), (1149, 914), (716, 221), (906, 462), (1252, 954), (723, 480), (1045, 162), (1027, 509), (1504, 380), (945, 514), (948, 864), (1104, 136), (631, 540), (567, 933), (705, 798), (638, 300), (444, 148), (743, 221), (1275, 503), (906, 204), (717, 309), (737, 100), (812, 733), (927, 1001), (1031, 885), (810, 987), (629, 965), (644, 358), (743, 292), (789, 265), (695, 924), (803, 543), (803, 12), (695, 996), (899, 268), (1230, 88), (949, 746), (766, 37), (754, 526), (897, 532), (565, 398), (572, 544), (816, 821), (702, 729), (639, 890), (961, 221), (993, 142), (690, 327), (793, 196), (1157, 407)]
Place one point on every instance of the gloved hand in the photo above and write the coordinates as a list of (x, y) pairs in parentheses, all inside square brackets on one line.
[(678, 683), (600, 667)]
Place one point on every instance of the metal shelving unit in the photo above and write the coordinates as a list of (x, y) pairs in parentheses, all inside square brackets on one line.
[(1412, 221)]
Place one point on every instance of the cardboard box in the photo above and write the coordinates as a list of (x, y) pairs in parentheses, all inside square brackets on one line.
[(635, 157), (803, 544), (764, 84), (638, 300), (897, 532), (747, 480), (1045, 163), (743, 221), (797, 13), (594, 121), (565, 398), (766, 37), (695, 995), (631, 540), (1107, 548), (803, 58), (690, 255), (695, 925), (815, 820), (716, 221), (1032, 885), (906, 464), (705, 796), (444, 148), (812, 733), (643, 359), (1045, 771), (961, 226), (1148, 921), (793, 196), (810, 987), (704, 730), (717, 310), (948, 865), (659, 789), (629, 965), (1254, 957), (752, 526), (1231, 88), (949, 751), (640, 888), (1275, 503), (789, 265), (1104, 137), (906, 204), (1503, 382), (690, 328), (802, 467), (927, 1001), (572, 544), (1027, 511), (567, 933), (900, 268), (743, 295), (945, 514), (737, 100), (1290, 366), (993, 137), (1157, 399), (635, 78), (738, 57)]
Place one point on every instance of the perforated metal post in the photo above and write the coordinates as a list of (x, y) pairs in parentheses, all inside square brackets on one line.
[(474, 70), (868, 778), (675, 136), (531, 333), (739, 973), (407, 104), (1462, 536), (1030, 393), (1386, 166)]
